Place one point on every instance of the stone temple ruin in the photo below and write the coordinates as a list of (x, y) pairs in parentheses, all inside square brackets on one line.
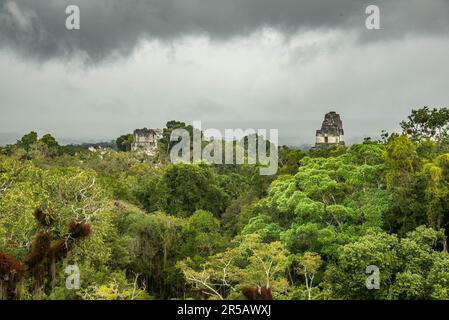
[(145, 140), (331, 132)]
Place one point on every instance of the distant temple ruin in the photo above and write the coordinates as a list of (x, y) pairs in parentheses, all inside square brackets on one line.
[(144, 140), (331, 132)]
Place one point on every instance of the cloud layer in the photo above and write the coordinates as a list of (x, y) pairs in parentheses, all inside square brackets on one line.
[(36, 29), (234, 63)]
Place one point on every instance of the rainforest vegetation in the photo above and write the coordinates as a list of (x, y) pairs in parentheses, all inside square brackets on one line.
[(138, 227)]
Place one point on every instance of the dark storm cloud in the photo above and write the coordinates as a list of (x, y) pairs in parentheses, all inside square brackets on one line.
[(36, 29)]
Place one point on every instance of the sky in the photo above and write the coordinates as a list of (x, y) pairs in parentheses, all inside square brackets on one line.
[(262, 64)]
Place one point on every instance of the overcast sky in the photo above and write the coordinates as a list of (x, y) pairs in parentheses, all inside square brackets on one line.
[(229, 63)]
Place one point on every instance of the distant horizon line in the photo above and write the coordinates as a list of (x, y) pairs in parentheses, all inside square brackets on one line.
[(66, 141)]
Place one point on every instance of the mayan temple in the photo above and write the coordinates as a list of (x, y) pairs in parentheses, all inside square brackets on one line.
[(144, 140), (331, 132)]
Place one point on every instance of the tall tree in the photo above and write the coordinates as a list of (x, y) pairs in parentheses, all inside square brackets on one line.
[(308, 265), (27, 141), (426, 123), (124, 142)]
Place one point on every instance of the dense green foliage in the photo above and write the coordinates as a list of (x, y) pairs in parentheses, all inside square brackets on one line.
[(124, 142), (197, 231)]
